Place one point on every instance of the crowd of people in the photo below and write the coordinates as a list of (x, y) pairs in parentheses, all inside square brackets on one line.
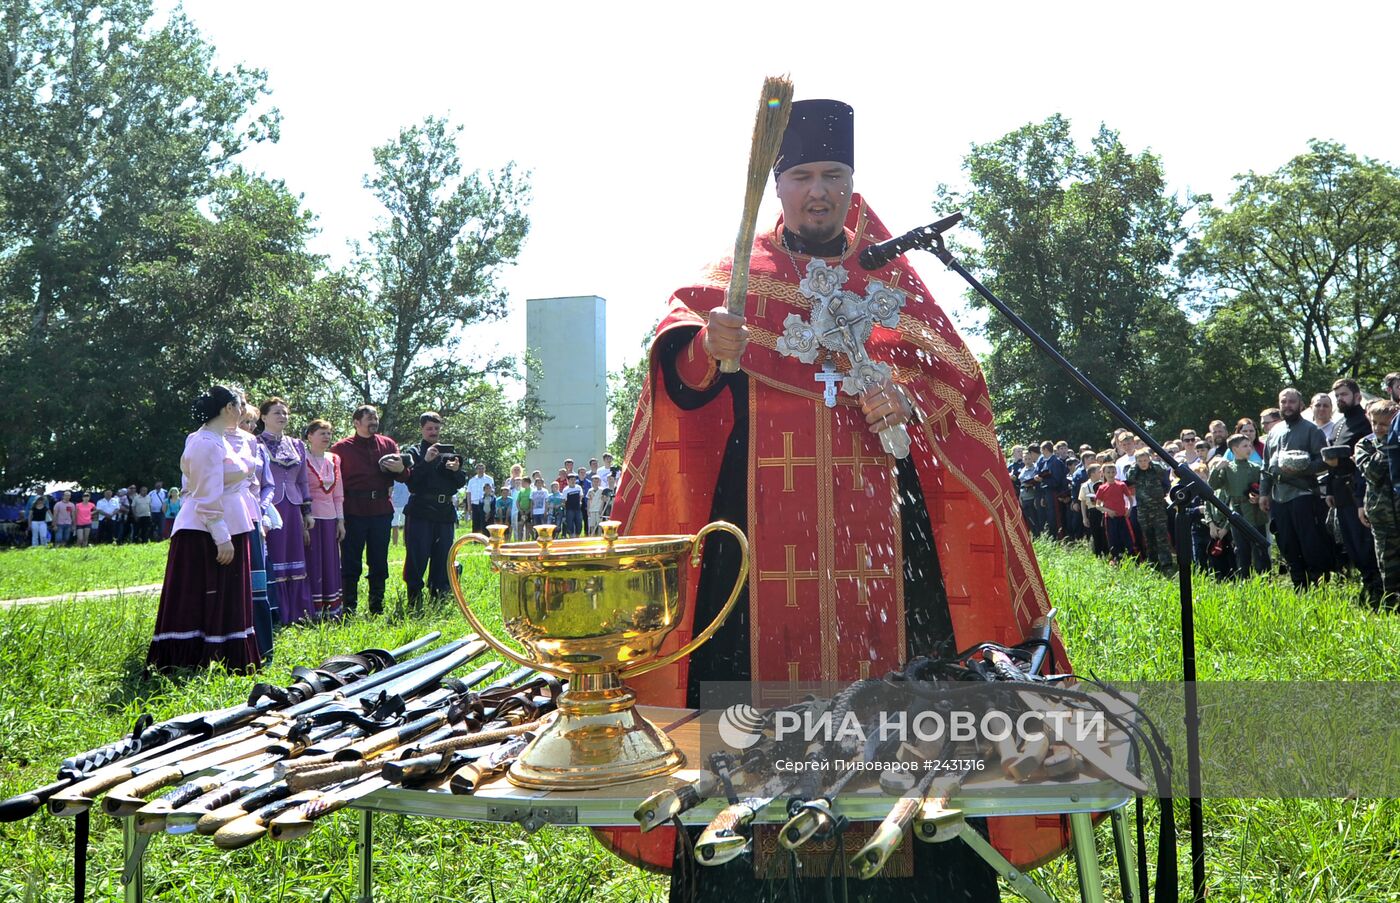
[(77, 517), (276, 528), (575, 502), (1316, 480)]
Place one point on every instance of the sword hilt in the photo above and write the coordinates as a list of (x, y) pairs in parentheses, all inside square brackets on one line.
[(871, 858), (479, 738), (242, 831), (239, 833), (287, 768), (217, 819), (933, 816), (811, 818), (664, 805), (721, 841), (331, 774), (417, 769), (298, 822), (188, 792), (78, 798), (124, 799)]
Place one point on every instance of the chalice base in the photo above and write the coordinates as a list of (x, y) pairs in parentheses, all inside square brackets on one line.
[(597, 739)]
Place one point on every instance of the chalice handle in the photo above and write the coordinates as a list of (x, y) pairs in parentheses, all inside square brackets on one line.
[(486, 635), (729, 366), (895, 440), (700, 638)]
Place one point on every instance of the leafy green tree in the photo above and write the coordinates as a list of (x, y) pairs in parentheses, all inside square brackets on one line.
[(1309, 255), (1080, 243), (139, 262), (625, 393), (427, 274)]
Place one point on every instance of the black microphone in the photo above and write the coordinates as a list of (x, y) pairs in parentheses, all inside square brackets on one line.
[(876, 256)]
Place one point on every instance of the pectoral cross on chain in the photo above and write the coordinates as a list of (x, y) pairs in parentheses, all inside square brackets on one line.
[(830, 377)]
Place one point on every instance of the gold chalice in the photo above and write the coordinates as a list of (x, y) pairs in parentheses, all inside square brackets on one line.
[(595, 610)]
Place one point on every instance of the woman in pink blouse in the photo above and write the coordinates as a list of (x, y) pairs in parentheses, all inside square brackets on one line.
[(82, 518), (206, 602), (328, 511)]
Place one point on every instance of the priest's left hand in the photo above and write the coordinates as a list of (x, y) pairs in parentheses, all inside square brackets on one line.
[(885, 406)]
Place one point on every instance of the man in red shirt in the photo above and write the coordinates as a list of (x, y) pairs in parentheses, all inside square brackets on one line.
[(369, 465)]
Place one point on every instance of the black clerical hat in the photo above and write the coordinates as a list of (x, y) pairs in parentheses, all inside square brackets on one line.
[(819, 130)]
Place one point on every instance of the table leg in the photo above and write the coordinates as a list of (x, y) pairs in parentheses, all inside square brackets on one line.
[(1020, 882), (132, 849), (1086, 858), (366, 855), (1124, 852)]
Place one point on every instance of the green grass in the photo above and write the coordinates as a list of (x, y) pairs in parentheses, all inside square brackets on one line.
[(52, 571), (70, 679)]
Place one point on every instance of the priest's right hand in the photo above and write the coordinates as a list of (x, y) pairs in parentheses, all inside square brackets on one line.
[(725, 337), (225, 553)]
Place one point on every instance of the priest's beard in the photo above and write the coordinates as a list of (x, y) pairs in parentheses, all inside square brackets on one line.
[(815, 236)]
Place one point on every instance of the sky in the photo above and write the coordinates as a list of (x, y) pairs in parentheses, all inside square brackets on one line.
[(634, 119)]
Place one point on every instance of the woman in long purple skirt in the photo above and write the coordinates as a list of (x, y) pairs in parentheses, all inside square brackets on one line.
[(286, 547)]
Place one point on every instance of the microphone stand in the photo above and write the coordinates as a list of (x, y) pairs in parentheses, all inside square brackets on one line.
[(1189, 487)]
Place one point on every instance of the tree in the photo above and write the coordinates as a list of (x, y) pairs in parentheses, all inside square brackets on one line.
[(140, 262), (429, 272), (1080, 244), (1310, 255), (625, 394)]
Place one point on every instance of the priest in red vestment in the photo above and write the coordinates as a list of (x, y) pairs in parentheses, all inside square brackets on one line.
[(860, 560)]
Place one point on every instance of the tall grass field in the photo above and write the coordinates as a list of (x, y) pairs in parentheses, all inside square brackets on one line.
[(71, 678)]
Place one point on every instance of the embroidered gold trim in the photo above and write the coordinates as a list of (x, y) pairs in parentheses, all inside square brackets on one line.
[(826, 546), (1008, 545), (751, 501)]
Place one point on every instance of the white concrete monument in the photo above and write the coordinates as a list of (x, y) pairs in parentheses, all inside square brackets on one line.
[(568, 338)]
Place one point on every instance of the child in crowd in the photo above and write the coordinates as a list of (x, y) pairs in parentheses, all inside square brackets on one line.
[(556, 505), (1114, 498), (1030, 491), (595, 508), (1236, 480), (502, 511), (1148, 478), (523, 490), (1090, 509), (539, 502)]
